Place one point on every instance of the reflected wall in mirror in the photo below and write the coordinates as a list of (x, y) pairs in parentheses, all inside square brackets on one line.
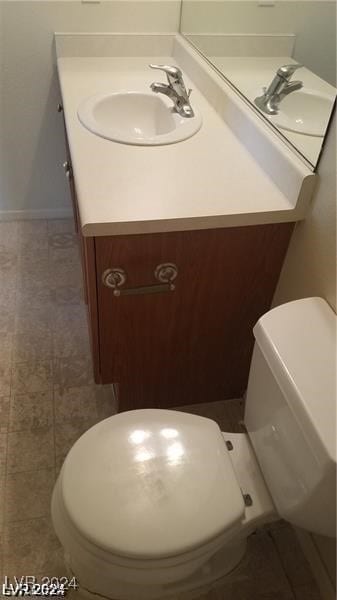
[(280, 54)]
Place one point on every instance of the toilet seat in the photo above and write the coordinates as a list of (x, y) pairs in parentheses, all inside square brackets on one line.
[(151, 486)]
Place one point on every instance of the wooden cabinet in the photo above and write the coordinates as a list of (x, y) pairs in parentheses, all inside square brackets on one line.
[(190, 345)]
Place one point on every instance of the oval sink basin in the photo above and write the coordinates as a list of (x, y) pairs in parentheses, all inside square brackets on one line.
[(304, 111), (138, 118)]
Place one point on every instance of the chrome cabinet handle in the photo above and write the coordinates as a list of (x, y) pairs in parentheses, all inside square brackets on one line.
[(165, 273)]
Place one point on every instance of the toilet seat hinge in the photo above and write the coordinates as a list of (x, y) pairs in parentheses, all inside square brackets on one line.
[(247, 499), (229, 445)]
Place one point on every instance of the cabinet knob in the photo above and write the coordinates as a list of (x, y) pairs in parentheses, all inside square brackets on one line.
[(166, 272), (59, 108), (114, 278)]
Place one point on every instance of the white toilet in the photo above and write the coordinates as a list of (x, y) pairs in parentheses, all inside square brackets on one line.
[(155, 504)]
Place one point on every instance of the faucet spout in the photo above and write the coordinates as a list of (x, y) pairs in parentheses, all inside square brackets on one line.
[(163, 88), (293, 86)]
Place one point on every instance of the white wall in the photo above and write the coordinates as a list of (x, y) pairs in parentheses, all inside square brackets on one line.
[(313, 22), (310, 270), (310, 265), (32, 135)]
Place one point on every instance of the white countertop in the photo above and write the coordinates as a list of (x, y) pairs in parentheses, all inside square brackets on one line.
[(208, 181)]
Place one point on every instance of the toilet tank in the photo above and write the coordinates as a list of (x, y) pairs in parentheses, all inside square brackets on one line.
[(290, 412)]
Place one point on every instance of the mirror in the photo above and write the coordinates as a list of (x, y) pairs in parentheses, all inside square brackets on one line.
[(279, 54)]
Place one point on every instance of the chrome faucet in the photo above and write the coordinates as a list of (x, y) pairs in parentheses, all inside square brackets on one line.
[(280, 87), (175, 89)]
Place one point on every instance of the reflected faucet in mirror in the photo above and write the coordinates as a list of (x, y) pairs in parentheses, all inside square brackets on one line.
[(280, 87), (175, 89)]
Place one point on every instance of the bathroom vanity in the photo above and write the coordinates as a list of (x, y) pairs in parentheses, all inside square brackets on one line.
[(182, 245), (190, 344)]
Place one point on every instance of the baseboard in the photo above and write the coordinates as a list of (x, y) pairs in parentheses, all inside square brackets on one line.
[(317, 565), (40, 213)]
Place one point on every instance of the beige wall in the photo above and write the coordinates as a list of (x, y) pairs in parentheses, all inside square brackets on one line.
[(310, 270), (310, 265), (313, 22), (32, 136)]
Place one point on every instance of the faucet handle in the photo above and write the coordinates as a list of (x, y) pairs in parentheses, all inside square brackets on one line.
[(286, 71), (173, 73), (169, 69)]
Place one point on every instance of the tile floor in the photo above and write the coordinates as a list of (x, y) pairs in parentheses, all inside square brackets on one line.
[(48, 399)]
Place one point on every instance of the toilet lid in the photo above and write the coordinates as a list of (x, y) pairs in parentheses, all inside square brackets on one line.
[(151, 484)]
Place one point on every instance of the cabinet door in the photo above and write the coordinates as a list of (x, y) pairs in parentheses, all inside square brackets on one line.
[(194, 343)]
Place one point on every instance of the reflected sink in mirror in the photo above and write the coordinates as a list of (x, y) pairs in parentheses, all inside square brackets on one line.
[(247, 42), (305, 111), (136, 118)]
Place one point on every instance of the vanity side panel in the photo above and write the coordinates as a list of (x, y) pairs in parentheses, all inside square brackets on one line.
[(193, 344), (88, 264), (89, 272), (69, 172)]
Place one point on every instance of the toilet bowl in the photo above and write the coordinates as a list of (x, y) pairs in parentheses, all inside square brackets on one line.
[(156, 503), (132, 561)]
